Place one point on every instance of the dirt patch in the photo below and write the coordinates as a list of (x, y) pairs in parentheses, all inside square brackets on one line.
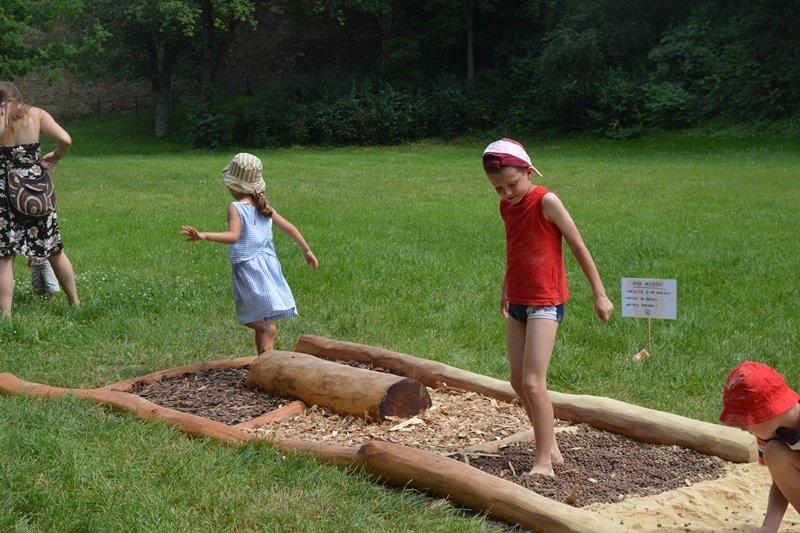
[(600, 467)]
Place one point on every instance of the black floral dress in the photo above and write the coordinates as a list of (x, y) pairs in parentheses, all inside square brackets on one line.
[(23, 236)]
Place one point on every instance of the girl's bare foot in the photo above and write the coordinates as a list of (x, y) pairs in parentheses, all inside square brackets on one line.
[(541, 469), (555, 455), (265, 337)]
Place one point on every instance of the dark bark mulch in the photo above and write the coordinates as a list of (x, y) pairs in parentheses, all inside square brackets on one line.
[(217, 394), (602, 467)]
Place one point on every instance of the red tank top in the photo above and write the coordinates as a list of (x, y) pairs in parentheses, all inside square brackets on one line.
[(535, 273)]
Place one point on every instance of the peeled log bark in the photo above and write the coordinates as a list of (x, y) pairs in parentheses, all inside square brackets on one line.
[(427, 471), (340, 388), (129, 403)]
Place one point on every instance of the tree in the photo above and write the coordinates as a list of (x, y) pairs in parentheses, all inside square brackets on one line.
[(155, 39), (147, 38), (45, 36), (219, 20)]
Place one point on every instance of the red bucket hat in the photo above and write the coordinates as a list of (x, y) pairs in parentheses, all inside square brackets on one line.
[(755, 393), (507, 153)]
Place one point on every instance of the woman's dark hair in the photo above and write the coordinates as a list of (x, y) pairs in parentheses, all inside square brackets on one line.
[(11, 99)]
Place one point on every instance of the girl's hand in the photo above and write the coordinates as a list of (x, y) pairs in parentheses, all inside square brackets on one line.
[(191, 233), (308, 255), (604, 308), (504, 305)]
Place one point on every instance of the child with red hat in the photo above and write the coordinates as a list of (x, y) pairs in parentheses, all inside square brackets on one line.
[(535, 284), (757, 399)]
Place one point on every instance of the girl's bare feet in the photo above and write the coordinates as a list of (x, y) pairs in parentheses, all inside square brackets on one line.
[(555, 454), (545, 468), (265, 335)]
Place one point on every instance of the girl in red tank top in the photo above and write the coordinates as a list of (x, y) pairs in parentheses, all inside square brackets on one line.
[(535, 284)]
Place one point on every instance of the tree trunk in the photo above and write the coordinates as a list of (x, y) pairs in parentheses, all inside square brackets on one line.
[(338, 387), (160, 66), (469, 9), (207, 64)]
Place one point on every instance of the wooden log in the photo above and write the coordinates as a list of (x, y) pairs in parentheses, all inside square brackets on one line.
[(500, 498), (431, 373), (641, 423), (340, 388), (338, 455), (281, 413), (125, 402), (657, 427)]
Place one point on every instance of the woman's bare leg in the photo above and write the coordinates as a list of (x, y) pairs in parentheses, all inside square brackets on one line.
[(62, 268), (6, 285)]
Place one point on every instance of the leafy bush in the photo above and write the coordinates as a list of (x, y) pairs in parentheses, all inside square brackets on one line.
[(338, 110), (209, 126), (449, 112)]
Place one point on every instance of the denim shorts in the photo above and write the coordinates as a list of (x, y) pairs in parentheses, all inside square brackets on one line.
[(523, 313)]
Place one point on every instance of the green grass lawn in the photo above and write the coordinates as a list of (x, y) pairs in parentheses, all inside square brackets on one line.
[(411, 254)]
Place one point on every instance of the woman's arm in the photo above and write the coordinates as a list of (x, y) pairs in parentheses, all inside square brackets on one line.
[(224, 237), (288, 228), (51, 129), (555, 211)]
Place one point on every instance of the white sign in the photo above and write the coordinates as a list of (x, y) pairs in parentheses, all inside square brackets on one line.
[(650, 298)]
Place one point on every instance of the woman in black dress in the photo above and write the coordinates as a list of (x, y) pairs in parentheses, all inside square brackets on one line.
[(20, 128)]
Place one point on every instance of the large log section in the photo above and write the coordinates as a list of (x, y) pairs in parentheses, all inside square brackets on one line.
[(640, 423), (340, 388)]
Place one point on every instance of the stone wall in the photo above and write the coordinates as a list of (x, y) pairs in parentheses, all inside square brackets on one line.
[(70, 98)]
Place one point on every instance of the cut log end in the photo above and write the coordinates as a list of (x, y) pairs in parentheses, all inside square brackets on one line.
[(404, 399)]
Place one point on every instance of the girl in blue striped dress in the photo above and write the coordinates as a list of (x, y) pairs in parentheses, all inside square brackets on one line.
[(260, 292)]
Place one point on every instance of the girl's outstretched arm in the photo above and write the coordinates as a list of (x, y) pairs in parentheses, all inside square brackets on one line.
[(555, 211), (225, 237), (289, 229)]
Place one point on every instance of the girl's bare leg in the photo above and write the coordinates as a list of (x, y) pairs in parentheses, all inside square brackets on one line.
[(530, 347), (6, 285), (62, 268), (265, 335)]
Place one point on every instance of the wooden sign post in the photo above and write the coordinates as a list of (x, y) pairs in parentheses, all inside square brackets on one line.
[(649, 298)]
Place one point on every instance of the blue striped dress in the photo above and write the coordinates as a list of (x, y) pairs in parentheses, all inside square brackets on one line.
[(259, 288)]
